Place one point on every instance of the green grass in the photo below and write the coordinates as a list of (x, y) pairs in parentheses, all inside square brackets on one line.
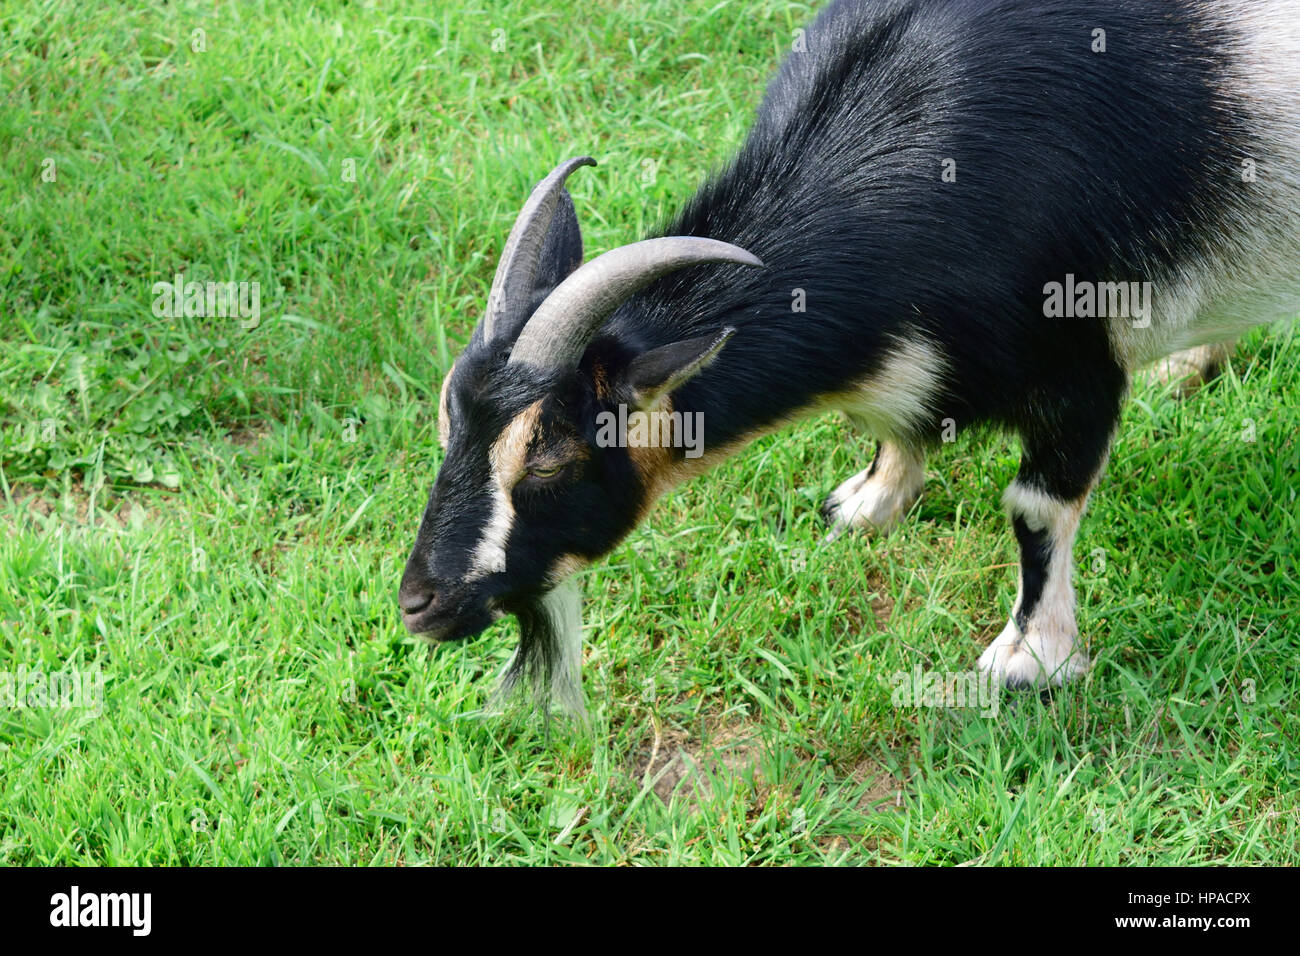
[(217, 518)]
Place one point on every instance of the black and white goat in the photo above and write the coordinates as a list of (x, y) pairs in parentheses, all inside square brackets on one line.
[(990, 211)]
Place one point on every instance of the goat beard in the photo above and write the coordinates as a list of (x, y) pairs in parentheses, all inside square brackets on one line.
[(549, 659)]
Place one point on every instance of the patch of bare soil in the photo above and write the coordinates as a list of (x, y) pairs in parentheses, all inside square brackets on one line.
[(679, 764), (883, 793), (34, 509), (249, 437), (876, 597)]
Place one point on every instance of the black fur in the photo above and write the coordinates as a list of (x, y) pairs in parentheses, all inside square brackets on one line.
[(1068, 161), (1035, 553)]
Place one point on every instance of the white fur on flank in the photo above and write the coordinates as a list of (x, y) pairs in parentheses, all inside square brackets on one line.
[(1252, 275), (877, 502), (1049, 651), (899, 397)]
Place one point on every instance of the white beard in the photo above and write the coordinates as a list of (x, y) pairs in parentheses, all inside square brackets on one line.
[(549, 658)]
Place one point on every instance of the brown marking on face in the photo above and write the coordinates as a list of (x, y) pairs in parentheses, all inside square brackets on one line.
[(509, 453), (600, 382), (653, 462), (662, 469), (564, 567), (444, 420)]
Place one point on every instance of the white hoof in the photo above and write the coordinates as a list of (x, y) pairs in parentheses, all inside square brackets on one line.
[(876, 504), (1034, 660)]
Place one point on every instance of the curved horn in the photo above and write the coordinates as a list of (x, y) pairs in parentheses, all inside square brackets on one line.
[(517, 267), (566, 322)]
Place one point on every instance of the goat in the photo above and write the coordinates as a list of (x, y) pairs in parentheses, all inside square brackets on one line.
[(992, 212)]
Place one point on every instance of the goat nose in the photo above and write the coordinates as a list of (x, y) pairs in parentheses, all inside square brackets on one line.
[(414, 599)]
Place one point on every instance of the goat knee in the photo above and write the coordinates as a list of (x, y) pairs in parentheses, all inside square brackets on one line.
[(1191, 368)]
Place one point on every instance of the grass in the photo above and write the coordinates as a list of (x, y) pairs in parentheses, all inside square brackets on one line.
[(215, 518)]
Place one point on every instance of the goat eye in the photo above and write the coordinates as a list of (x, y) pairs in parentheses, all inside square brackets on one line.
[(545, 472)]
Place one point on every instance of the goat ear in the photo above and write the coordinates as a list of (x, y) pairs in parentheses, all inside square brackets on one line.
[(659, 372)]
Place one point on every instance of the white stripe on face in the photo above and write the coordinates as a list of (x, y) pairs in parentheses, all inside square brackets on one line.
[(507, 458)]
